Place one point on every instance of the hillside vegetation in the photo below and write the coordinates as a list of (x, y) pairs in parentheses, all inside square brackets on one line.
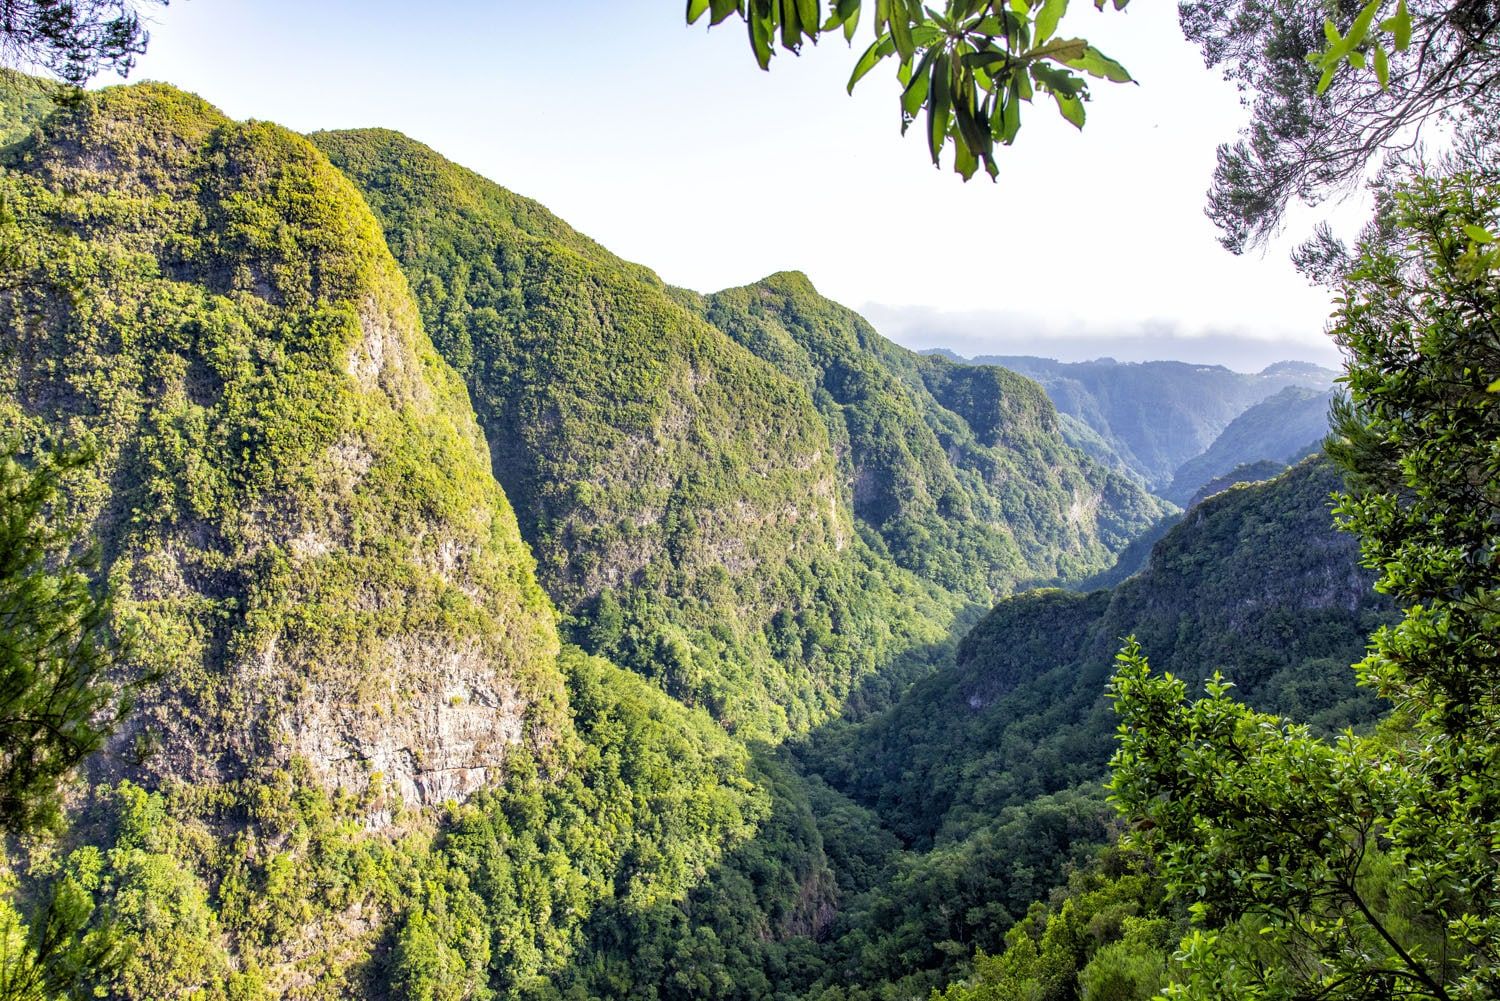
[(962, 470), (1254, 582), (340, 637), (507, 624), (682, 496)]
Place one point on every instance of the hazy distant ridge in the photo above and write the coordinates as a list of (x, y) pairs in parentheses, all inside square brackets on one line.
[(1155, 416)]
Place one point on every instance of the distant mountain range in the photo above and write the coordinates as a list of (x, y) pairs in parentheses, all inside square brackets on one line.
[(1163, 420)]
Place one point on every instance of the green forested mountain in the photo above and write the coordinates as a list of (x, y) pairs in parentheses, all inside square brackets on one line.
[(1154, 416), (698, 486), (901, 844), (1132, 558), (338, 628), (1283, 427), (962, 470), (682, 496), (1249, 472)]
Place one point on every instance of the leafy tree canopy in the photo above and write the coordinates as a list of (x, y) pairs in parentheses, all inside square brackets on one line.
[(1334, 88), (74, 39), (966, 69), (1364, 867)]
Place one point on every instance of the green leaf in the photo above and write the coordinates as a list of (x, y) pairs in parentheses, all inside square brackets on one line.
[(1097, 64), (1047, 18), (761, 33), (848, 11), (901, 30), (1060, 50), (791, 25), (878, 50), (1382, 68), (1399, 25), (807, 11), (1479, 234), (915, 94), (695, 9), (1361, 27), (1070, 108), (964, 161), (938, 104)]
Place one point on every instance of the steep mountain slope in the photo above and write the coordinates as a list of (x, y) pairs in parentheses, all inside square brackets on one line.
[(337, 627), (962, 470), (1255, 582), (682, 496), (1157, 415), (1283, 428), (210, 309)]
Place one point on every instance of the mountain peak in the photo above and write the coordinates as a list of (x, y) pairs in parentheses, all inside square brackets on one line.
[(789, 282)]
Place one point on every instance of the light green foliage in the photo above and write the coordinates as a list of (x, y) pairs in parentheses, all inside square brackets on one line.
[(961, 470), (282, 462), (1362, 866), (294, 505), (1365, 42), (681, 495), (1106, 936), (969, 65), (62, 947)]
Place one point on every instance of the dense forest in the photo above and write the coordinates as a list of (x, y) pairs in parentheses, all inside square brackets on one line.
[(407, 598)]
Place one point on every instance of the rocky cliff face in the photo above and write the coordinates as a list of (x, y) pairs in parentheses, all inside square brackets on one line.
[(289, 490)]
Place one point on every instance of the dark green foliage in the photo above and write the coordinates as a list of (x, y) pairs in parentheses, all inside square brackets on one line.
[(1255, 581), (1133, 558), (1107, 936), (1250, 472), (969, 67), (1284, 427), (1157, 415), (961, 470), (58, 700), (1362, 867), (822, 904), (682, 496)]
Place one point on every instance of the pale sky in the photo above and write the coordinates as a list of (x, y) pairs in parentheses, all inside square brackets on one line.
[(669, 146)]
